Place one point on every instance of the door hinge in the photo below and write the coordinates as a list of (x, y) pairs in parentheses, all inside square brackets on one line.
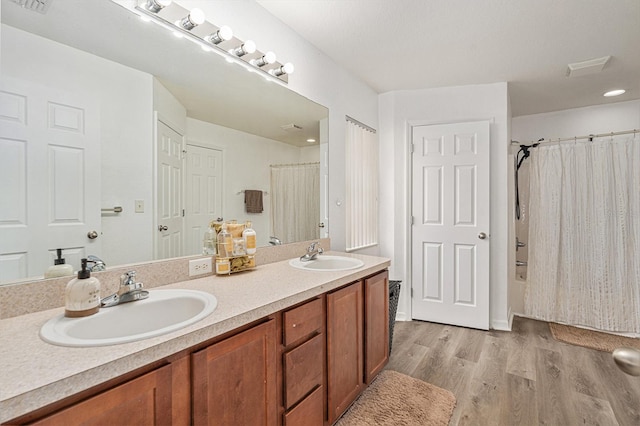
[(413, 220), (412, 292), (412, 148), (182, 212)]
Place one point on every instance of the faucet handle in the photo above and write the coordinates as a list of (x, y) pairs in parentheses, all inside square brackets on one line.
[(128, 278), (312, 247)]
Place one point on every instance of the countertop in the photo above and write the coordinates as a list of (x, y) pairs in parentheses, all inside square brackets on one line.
[(36, 373)]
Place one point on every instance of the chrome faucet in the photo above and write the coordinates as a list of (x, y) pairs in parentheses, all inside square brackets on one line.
[(275, 241), (129, 291), (312, 252), (98, 264)]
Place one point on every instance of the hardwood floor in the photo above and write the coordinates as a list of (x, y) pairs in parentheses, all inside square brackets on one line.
[(522, 377)]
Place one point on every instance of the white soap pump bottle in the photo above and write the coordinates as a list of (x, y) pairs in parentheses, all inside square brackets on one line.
[(82, 295), (249, 236), (59, 268)]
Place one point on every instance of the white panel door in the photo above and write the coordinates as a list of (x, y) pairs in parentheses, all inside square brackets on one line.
[(450, 212), (49, 177), (169, 209), (204, 193), (324, 178)]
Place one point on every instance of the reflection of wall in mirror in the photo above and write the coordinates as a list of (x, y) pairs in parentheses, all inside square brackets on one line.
[(124, 124), (247, 158)]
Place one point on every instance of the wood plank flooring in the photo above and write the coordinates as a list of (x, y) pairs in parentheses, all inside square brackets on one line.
[(522, 377)]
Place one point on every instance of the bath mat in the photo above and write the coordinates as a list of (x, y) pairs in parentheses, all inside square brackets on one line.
[(396, 399), (598, 340)]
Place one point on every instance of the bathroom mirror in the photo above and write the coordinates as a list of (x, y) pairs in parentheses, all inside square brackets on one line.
[(128, 69)]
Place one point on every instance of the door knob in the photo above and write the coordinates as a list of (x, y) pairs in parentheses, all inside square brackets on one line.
[(162, 228), (482, 235), (92, 235), (321, 225)]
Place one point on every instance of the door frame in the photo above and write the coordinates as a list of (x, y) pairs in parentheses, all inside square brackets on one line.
[(408, 163)]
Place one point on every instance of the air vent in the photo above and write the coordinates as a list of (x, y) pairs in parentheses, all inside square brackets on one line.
[(592, 66), (40, 6), (291, 127)]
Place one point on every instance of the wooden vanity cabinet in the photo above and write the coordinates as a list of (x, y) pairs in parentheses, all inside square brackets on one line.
[(234, 380), (344, 348), (303, 361), (146, 400), (376, 325)]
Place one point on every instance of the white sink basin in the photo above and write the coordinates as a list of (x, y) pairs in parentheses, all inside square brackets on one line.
[(162, 312), (327, 263)]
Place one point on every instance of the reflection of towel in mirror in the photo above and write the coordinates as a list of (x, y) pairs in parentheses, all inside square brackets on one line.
[(253, 200)]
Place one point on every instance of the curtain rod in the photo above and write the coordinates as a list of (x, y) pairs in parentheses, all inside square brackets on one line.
[(359, 123), (294, 164), (599, 135)]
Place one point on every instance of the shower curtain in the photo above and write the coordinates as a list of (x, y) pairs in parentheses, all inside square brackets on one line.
[(295, 201), (584, 234)]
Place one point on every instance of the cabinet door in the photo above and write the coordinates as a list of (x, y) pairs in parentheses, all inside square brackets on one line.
[(142, 401), (344, 348), (376, 324), (234, 381)]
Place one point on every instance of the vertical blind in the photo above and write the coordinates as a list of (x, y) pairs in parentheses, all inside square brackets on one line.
[(361, 144)]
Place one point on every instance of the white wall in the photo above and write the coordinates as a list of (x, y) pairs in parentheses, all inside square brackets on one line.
[(595, 119), (124, 96), (316, 76), (398, 111), (250, 156)]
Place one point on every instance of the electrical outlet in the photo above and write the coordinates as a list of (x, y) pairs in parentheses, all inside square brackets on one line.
[(200, 266)]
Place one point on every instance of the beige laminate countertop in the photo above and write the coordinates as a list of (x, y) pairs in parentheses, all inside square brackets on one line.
[(35, 373)]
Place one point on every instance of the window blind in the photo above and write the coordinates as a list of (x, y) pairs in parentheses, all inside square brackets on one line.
[(361, 144)]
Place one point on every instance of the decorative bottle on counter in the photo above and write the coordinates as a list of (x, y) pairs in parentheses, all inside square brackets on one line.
[(209, 242), (249, 236), (225, 243), (82, 295), (59, 268)]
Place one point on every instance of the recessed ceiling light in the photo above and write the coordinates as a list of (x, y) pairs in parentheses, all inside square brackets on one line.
[(616, 92), (311, 140)]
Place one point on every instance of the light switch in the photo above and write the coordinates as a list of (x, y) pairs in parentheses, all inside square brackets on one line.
[(139, 206)]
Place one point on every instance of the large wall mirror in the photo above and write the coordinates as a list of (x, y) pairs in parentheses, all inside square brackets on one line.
[(101, 110)]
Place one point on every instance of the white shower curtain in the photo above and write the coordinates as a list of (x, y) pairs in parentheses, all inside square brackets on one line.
[(584, 234), (295, 201)]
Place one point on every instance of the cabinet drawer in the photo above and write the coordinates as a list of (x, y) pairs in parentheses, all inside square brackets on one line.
[(302, 321), (309, 412), (303, 370)]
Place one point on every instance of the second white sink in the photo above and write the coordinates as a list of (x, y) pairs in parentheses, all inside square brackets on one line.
[(162, 312), (327, 263)]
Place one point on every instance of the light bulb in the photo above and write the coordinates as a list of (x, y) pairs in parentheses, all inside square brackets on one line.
[(195, 18), (285, 69), (267, 58), (156, 6), (223, 34), (247, 47)]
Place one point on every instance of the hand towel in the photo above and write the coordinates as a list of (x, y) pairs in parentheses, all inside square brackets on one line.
[(253, 200)]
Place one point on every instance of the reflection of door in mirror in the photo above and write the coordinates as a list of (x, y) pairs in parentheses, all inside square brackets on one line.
[(50, 192), (203, 191), (169, 211)]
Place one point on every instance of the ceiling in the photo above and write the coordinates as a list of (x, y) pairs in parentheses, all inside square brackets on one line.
[(420, 44)]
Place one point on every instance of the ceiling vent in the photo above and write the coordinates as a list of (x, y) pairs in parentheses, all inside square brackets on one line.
[(36, 5), (291, 128), (592, 66)]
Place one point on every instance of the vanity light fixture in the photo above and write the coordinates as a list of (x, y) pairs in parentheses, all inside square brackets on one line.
[(311, 140), (156, 6), (211, 38), (246, 48), (284, 69), (192, 20), (616, 92), (223, 34), (266, 59)]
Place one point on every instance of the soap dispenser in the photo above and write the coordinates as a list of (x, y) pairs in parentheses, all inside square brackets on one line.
[(59, 268), (249, 238), (82, 295)]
